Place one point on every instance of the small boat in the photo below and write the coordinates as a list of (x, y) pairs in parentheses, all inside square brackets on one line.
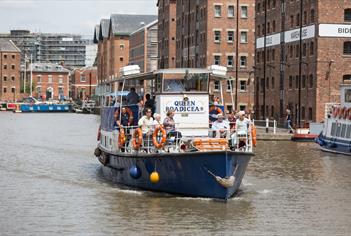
[(307, 134), (191, 164), (32, 105), (336, 134)]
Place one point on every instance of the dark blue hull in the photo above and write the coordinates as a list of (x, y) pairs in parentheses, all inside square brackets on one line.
[(334, 145), (187, 174)]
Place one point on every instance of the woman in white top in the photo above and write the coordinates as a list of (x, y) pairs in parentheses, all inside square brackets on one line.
[(157, 121)]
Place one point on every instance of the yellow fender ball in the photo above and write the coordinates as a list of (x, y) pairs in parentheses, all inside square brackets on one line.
[(154, 177)]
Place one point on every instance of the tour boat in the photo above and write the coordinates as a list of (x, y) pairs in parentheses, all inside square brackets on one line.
[(336, 135), (191, 164)]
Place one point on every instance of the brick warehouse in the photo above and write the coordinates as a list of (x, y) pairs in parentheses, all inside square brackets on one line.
[(323, 56), (112, 36), (83, 83), (10, 58), (166, 33), (50, 81), (206, 34)]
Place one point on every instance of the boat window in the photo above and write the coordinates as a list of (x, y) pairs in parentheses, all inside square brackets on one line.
[(343, 131), (187, 82), (338, 130), (333, 129), (348, 132)]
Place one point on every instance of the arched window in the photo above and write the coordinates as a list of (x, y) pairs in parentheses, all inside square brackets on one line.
[(347, 14), (303, 113), (272, 111), (347, 47)]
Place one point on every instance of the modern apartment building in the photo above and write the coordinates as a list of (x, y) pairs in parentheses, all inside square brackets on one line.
[(218, 32), (302, 74), (9, 71), (66, 49)]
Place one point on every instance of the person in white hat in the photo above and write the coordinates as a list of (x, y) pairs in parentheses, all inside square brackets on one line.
[(220, 126)]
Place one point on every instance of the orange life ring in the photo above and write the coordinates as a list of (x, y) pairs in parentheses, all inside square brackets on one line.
[(121, 138), (163, 139), (254, 134), (137, 138), (335, 112), (215, 108), (129, 111)]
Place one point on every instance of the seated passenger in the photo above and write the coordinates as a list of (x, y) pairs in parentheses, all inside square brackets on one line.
[(157, 121), (241, 130), (220, 127), (169, 125), (145, 123), (242, 124)]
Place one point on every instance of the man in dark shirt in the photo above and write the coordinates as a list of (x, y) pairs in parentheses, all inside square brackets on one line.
[(132, 97), (150, 103)]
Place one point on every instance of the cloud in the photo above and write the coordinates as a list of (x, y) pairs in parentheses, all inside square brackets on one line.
[(16, 4)]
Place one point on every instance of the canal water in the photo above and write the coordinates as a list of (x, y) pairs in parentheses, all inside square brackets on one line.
[(51, 184)]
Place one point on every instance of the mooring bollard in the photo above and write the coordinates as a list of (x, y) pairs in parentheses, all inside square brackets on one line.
[(267, 125), (274, 126)]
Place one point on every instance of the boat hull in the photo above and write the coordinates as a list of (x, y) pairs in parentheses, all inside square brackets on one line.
[(45, 108), (334, 145), (304, 137), (187, 174)]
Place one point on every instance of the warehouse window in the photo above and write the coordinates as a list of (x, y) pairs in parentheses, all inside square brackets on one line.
[(347, 47), (347, 14)]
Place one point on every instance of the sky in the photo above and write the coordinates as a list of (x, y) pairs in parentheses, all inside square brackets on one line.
[(66, 16)]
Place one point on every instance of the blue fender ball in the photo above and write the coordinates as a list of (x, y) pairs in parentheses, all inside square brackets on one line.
[(135, 172)]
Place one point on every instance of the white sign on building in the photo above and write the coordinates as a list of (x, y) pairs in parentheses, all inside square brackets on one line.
[(335, 30), (294, 35), (271, 40)]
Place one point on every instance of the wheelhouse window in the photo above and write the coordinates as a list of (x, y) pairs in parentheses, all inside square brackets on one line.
[(185, 82), (347, 48), (347, 14)]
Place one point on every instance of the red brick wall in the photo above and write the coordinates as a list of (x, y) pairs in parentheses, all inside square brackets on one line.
[(84, 89), (9, 76), (55, 84)]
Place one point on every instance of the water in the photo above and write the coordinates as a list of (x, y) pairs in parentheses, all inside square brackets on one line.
[(51, 184)]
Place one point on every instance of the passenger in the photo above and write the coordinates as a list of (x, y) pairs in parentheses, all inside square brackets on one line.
[(231, 120), (169, 125), (157, 121), (126, 118), (241, 129), (220, 127), (168, 122), (150, 103), (132, 97), (146, 123)]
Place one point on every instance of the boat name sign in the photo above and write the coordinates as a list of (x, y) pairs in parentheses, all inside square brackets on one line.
[(190, 106)]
